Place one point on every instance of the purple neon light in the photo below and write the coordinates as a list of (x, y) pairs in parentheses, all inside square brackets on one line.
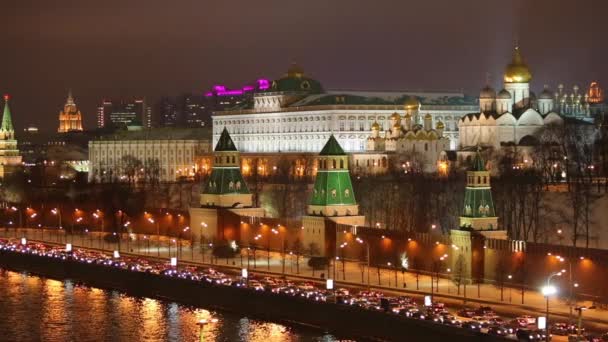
[(221, 90)]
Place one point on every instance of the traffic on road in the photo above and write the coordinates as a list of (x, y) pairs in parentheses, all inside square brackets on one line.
[(480, 319)]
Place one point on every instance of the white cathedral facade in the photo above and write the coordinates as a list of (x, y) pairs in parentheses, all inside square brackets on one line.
[(514, 113)]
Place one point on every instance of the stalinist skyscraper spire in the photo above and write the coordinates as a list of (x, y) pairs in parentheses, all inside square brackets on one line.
[(70, 119)]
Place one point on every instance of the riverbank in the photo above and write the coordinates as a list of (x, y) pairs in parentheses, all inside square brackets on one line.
[(342, 320)]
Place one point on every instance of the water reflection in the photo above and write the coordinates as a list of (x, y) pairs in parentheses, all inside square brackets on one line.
[(39, 309)]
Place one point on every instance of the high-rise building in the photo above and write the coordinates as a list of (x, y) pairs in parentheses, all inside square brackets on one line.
[(70, 119), (196, 111), (120, 113), (9, 154), (169, 114)]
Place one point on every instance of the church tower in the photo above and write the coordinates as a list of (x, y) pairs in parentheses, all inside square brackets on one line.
[(226, 187), (517, 81), (333, 199), (70, 119), (9, 154), (478, 210)]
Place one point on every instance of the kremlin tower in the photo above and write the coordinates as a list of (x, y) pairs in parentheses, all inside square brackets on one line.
[(9, 154), (70, 119)]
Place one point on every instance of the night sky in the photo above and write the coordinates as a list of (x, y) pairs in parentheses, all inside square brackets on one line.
[(133, 47)]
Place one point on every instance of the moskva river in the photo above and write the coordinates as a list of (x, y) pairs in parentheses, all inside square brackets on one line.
[(40, 309)]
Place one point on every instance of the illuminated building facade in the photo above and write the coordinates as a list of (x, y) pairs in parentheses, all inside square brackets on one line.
[(70, 119), (408, 136), (151, 155), (9, 154), (511, 116), (295, 114)]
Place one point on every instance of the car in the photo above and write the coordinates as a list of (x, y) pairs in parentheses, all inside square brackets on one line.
[(496, 321), (526, 335), (561, 329), (498, 330), (471, 326), (518, 323), (484, 310), (529, 319), (468, 313)]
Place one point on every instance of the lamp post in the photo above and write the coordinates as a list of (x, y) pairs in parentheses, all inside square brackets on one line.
[(151, 220), (98, 215), (547, 291), (202, 242), (343, 260), (19, 216), (510, 286), (256, 238), (359, 240)]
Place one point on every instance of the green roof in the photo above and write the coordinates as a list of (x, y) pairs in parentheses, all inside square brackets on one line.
[(296, 84), (333, 188), (225, 143), (332, 148), (226, 181), (7, 121), (478, 203), (478, 163)]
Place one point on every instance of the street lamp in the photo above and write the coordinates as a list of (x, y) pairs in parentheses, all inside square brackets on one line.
[(151, 220), (57, 212), (510, 286), (359, 240), (343, 260), (547, 291), (202, 242)]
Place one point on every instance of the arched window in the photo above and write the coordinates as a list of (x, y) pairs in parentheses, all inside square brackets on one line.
[(333, 163), (341, 163), (485, 181), (478, 179)]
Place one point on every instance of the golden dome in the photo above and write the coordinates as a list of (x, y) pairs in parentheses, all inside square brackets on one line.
[(440, 125), (295, 71), (428, 116), (517, 71), (376, 125), (397, 126), (411, 103), (395, 116)]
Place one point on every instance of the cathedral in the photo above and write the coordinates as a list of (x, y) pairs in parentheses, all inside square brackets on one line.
[(70, 119), (515, 114), (410, 135)]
